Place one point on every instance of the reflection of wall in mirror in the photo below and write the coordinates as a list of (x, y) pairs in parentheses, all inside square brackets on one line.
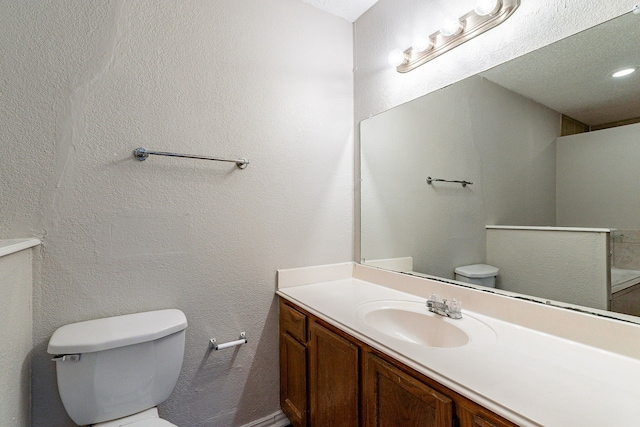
[(626, 249), (568, 265), (598, 186), (473, 130)]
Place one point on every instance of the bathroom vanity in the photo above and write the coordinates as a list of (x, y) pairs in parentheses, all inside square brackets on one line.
[(358, 347), (325, 373)]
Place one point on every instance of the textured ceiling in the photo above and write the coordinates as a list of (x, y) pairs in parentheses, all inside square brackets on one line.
[(347, 9), (572, 76)]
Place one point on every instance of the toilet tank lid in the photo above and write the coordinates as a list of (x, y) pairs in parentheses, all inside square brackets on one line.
[(118, 331), (478, 271)]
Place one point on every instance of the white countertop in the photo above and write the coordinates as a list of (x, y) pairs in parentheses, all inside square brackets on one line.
[(530, 377)]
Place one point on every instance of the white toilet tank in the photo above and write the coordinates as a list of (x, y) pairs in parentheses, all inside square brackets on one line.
[(478, 274), (117, 366)]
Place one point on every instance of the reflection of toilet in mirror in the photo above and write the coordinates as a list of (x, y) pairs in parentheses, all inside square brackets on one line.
[(114, 372), (478, 274)]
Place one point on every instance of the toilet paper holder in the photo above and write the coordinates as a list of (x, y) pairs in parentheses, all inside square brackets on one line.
[(215, 346)]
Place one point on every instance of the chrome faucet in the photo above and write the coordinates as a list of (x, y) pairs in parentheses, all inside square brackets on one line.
[(440, 306)]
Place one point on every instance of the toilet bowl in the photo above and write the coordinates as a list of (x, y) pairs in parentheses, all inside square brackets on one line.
[(478, 274), (148, 418), (114, 371)]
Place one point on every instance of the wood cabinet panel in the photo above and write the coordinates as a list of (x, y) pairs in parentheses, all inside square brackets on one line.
[(394, 398), (333, 379), (293, 380), (481, 422), (477, 416)]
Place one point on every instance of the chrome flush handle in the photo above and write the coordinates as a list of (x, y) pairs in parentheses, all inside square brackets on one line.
[(67, 358)]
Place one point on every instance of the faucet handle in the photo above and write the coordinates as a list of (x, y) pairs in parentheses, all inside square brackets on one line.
[(455, 309)]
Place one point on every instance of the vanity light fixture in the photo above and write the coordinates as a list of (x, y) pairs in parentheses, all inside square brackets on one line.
[(624, 72), (455, 31)]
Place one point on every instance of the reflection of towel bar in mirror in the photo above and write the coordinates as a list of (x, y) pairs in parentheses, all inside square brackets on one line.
[(142, 154), (432, 180)]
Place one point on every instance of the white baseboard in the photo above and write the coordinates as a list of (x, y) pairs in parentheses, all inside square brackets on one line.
[(277, 419)]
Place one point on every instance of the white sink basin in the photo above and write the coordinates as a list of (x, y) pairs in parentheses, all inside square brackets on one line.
[(410, 321)]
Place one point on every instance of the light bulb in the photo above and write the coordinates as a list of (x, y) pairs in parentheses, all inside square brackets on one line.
[(421, 44), (397, 57), (451, 26), (486, 7)]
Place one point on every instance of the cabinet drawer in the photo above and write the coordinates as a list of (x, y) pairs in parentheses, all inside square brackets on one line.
[(293, 322)]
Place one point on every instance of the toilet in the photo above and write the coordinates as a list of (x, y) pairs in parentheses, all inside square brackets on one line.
[(478, 274), (114, 371)]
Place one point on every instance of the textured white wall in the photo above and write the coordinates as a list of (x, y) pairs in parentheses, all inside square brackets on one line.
[(598, 177), (566, 266), (84, 83), (393, 24), (473, 130), (16, 334)]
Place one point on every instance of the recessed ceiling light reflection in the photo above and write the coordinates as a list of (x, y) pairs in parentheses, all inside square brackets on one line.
[(624, 72)]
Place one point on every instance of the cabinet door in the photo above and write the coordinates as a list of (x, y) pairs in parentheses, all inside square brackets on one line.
[(333, 379), (481, 418), (293, 380), (393, 398)]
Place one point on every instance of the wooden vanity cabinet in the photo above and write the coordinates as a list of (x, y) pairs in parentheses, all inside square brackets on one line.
[(328, 378)]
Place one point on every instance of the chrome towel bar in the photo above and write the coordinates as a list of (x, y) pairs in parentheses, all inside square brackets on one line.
[(464, 183), (142, 154)]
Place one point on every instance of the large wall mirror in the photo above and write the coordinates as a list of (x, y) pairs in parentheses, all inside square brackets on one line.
[(547, 147)]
